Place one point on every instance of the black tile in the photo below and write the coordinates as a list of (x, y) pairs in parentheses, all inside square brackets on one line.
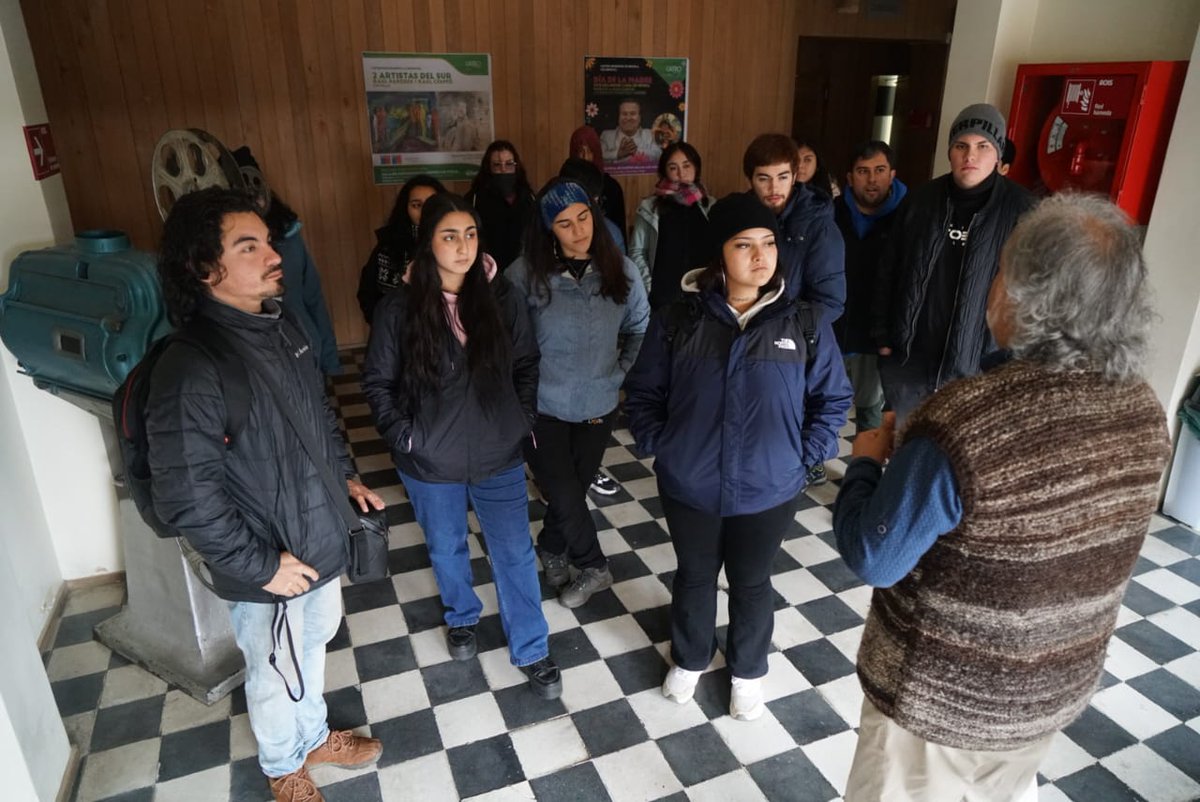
[(114, 661), (408, 558), (712, 694), (609, 727), (602, 605), (452, 680), (599, 520), (1097, 734), (571, 648), (73, 629), (791, 776), (371, 596), (364, 788), (350, 399), (1181, 538), (1157, 644), (1179, 746), (804, 502), (647, 533), (123, 724), (697, 754), (622, 496), (401, 513), (193, 750), (407, 737), (639, 670), (383, 659), (829, 614), (653, 506), (376, 479), (341, 638), (489, 633), (835, 575), (357, 421), (1096, 783), (829, 539), (807, 717), (521, 707), (1170, 693), (345, 708), (1143, 566), (485, 765), (78, 695), (138, 795), (371, 448), (1107, 680), (1188, 569), (655, 622), (778, 602), (1144, 601), (579, 783), (423, 614), (627, 565), (1193, 607), (819, 661), (783, 562), (628, 471)]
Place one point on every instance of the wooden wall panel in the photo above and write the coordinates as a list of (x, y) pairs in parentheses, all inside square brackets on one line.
[(285, 77)]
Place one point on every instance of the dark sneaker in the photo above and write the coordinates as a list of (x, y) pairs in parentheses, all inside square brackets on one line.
[(544, 678), (461, 642), (816, 475), (603, 485), (556, 568), (345, 750), (589, 581)]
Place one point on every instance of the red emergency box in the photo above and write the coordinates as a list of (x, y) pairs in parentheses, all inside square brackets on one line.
[(1095, 127)]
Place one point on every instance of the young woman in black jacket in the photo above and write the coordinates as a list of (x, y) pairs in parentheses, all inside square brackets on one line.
[(451, 378), (501, 193)]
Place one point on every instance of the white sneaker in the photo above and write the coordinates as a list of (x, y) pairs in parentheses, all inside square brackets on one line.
[(746, 701), (680, 685)]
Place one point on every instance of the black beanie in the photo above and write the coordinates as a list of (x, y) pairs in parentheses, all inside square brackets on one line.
[(734, 213)]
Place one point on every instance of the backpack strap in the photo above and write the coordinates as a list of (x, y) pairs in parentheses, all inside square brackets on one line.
[(682, 316), (808, 326)]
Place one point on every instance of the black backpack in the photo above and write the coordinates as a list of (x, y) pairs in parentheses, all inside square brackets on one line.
[(683, 315), (130, 400)]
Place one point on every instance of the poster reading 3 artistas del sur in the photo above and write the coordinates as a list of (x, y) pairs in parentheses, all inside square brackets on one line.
[(428, 113), (638, 106)]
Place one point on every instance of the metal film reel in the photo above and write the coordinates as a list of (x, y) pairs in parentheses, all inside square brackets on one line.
[(256, 184), (187, 159)]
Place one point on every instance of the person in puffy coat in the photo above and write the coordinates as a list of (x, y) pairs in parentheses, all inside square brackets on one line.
[(451, 377), (738, 391)]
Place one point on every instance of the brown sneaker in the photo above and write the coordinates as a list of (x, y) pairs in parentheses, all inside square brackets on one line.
[(345, 750), (295, 787)]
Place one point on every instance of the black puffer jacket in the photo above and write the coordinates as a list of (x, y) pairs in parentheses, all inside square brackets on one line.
[(451, 438), (914, 252), (503, 222), (241, 506)]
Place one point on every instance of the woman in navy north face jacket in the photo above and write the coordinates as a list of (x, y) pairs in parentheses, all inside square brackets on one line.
[(737, 391)]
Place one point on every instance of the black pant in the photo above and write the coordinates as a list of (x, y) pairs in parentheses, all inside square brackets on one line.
[(564, 462), (746, 544)]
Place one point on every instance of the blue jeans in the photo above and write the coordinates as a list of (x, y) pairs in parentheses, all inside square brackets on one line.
[(287, 731), (502, 506)]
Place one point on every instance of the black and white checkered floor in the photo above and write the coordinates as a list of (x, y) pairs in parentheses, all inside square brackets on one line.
[(473, 730)]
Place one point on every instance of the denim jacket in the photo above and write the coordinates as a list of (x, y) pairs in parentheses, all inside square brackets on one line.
[(588, 342)]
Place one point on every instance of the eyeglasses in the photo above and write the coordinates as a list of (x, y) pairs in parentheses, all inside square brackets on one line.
[(505, 167)]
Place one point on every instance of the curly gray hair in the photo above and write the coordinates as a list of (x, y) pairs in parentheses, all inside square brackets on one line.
[(1076, 278)]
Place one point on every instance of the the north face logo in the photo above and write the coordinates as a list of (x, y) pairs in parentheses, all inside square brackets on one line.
[(786, 344)]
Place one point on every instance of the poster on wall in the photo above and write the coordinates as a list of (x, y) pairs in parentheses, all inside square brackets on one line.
[(428, 113), (638, 106)]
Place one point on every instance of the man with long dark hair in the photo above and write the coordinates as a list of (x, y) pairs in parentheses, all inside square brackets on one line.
[(255, 508)]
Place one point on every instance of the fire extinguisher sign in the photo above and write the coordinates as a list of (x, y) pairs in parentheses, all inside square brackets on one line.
[(1078, 97), (41, 151)]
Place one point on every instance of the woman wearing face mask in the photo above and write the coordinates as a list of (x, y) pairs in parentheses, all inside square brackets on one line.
[(451, 378), (589, 310), (395, 244), (501, 193), (736, 392), (668, 231), (585, 144)]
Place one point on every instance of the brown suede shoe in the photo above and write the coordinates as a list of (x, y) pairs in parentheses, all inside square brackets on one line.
[(345, 750), (295, 787)]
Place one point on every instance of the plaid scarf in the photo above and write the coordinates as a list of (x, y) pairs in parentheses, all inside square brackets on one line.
[(683, 194)]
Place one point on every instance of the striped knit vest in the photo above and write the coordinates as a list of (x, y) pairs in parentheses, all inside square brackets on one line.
[(997, 637)]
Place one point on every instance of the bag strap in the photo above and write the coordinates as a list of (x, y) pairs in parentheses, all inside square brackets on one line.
[(808, 326)]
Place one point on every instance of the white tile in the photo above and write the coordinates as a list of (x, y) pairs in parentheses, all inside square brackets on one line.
[(1151, 776), (847, 642), (354, 410), (403, 535), (549, 746), (498, 669), (734, 785), (752, 741), (642, 593), (660, 558), (844, 695), (127, 683), (809, 550), (1180, 623), (416, 584), (113, 771), (340, 669), (1159, 522), (1125, 617), (203, 786), (79, 729), (373, 462), (617, 635), (858, 599), (637, 773), (611, 542), (832, 756), (426, 778), (558, 618), (1170, 585), (1187, 668), (792, 629), (241, 738), (625, 514), (86, 600), (521, 792), (1160, 552), (182, 712), (372, 626), (1048, 793), (1133, 712), (68, 662), (826, 494), (799, 586), (589, 685), (1125, 662), (783, 678), (397, 695), (487, 596), (660, 716), (642, 488), (816, 519), (429, 646), (467, 720), (1064, 757)]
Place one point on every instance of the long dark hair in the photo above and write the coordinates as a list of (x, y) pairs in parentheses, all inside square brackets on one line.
[(483, 178), (822, 180), (397, 231), (544, 257), (426, 330)]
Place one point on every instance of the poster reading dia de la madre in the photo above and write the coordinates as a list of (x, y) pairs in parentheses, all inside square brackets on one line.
[(638, 106)]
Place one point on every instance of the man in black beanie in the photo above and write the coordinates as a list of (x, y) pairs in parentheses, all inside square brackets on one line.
[(928, 319)]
